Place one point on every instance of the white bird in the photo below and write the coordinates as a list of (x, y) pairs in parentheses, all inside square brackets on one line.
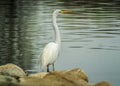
[(51, 50)]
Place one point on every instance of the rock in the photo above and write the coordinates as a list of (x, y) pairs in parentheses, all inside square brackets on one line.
[(73, 77), (8, 81), (12, 70), (73, 74), (51, 81), (103, 83), (39, 75), (65, 79)]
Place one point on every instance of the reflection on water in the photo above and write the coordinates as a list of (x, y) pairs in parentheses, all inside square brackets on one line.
[(90, 35)]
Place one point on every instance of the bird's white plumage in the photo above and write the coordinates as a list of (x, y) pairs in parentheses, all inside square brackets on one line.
[(51, 50), (50, 54)]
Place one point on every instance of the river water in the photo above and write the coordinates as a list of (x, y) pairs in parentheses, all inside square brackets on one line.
[(90, 36)]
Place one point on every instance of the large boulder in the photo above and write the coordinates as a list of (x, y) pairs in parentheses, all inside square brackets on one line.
[(73, 77)]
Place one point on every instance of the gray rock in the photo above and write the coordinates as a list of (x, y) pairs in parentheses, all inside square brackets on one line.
[(12, 70)]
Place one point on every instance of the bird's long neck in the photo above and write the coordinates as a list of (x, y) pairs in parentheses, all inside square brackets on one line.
[(57, 33)]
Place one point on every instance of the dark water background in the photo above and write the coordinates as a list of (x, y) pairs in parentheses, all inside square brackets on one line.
[(90, 35)]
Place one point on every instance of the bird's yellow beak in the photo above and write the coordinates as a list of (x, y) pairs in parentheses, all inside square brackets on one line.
[(66, 11)]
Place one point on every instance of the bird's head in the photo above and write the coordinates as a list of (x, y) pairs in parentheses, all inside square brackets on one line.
[(64, 11)]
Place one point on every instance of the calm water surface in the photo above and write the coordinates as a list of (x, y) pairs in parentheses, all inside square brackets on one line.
[(90, 37)]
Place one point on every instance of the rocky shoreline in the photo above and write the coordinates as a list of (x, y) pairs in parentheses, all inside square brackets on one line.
[(12, 75)]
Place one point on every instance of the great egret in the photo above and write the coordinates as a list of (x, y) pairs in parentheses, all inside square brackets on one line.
[(51, 50)]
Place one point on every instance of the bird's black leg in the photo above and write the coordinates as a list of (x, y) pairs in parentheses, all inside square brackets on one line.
[(53, 67), (47, 68)]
